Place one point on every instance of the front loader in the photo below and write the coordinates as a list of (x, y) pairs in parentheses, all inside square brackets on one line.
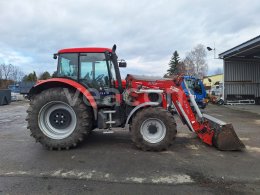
[(88, 93)]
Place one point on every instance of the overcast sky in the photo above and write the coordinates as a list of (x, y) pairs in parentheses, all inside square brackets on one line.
[(146, 32)]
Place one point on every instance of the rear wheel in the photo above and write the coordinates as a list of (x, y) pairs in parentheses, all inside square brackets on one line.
[(55, 122), (153, 129)]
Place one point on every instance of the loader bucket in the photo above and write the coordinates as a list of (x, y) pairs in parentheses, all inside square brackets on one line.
[(225, 137)]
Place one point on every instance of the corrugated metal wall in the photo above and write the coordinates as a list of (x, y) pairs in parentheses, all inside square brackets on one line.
[(242, 78)]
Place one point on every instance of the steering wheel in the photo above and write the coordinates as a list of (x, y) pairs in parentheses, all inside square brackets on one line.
[(99, 77), (87, 77)]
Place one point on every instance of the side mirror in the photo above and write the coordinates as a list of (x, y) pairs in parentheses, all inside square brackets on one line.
[(122, 64), (55, 56)]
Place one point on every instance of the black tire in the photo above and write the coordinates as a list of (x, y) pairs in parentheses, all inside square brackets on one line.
[(83, 116), (153, 113), (221, 102)]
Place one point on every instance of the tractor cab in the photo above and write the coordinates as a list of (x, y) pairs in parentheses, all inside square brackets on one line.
[(94, 68)]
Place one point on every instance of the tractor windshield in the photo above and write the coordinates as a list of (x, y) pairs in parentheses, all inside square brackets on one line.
[(92, 69), (194, 85)]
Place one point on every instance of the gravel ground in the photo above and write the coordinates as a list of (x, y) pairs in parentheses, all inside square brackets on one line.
[(110, 163)]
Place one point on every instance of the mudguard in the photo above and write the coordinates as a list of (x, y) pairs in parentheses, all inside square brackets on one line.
[(138, 107), (59, 82)]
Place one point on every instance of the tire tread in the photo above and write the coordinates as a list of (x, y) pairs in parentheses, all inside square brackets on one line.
[(84, 119), (154, 112)]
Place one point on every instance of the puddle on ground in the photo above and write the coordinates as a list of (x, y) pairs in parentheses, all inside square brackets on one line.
[(253, 149), (257, 122)]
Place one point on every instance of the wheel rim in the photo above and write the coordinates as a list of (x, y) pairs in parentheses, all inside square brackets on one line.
[(153, 130), (57, 120)]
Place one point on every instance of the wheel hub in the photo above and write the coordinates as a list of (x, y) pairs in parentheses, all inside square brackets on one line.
[(57, 120), (60, 118), (153, 130)]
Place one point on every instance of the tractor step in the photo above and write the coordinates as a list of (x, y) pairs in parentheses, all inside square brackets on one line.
[(110, 118)]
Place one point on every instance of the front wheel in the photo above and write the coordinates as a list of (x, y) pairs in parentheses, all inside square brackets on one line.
[(153, 129)]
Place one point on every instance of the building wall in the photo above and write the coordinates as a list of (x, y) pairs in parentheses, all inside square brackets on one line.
[(241, 78), (214, 78)]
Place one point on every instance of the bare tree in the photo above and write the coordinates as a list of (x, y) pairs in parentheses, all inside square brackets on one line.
[(195, 61), (1, 72), (189, 65), (17, 74), (10, 72), (6, 70), (181, 68)]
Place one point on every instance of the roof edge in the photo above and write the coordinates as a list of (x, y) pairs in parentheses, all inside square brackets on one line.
[(240, 47), (85, 49)]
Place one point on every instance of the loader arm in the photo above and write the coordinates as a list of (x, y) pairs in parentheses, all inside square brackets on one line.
[(210, 130), (183, 108)]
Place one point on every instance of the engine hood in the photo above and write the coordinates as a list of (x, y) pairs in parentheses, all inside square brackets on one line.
[(144, 78)]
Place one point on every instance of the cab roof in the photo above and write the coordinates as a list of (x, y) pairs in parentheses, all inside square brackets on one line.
[(85, 50)]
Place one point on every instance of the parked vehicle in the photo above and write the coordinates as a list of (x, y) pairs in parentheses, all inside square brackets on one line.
[(15, 88), (25, 86), (197, 88), (216, 94), (89, 93)]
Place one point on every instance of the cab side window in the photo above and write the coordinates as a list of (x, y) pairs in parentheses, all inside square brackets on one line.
[(68, 65)]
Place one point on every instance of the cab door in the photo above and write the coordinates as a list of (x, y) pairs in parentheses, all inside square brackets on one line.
[(95, 73)]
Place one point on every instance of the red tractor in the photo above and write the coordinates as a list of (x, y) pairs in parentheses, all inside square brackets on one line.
[(88, 93)]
